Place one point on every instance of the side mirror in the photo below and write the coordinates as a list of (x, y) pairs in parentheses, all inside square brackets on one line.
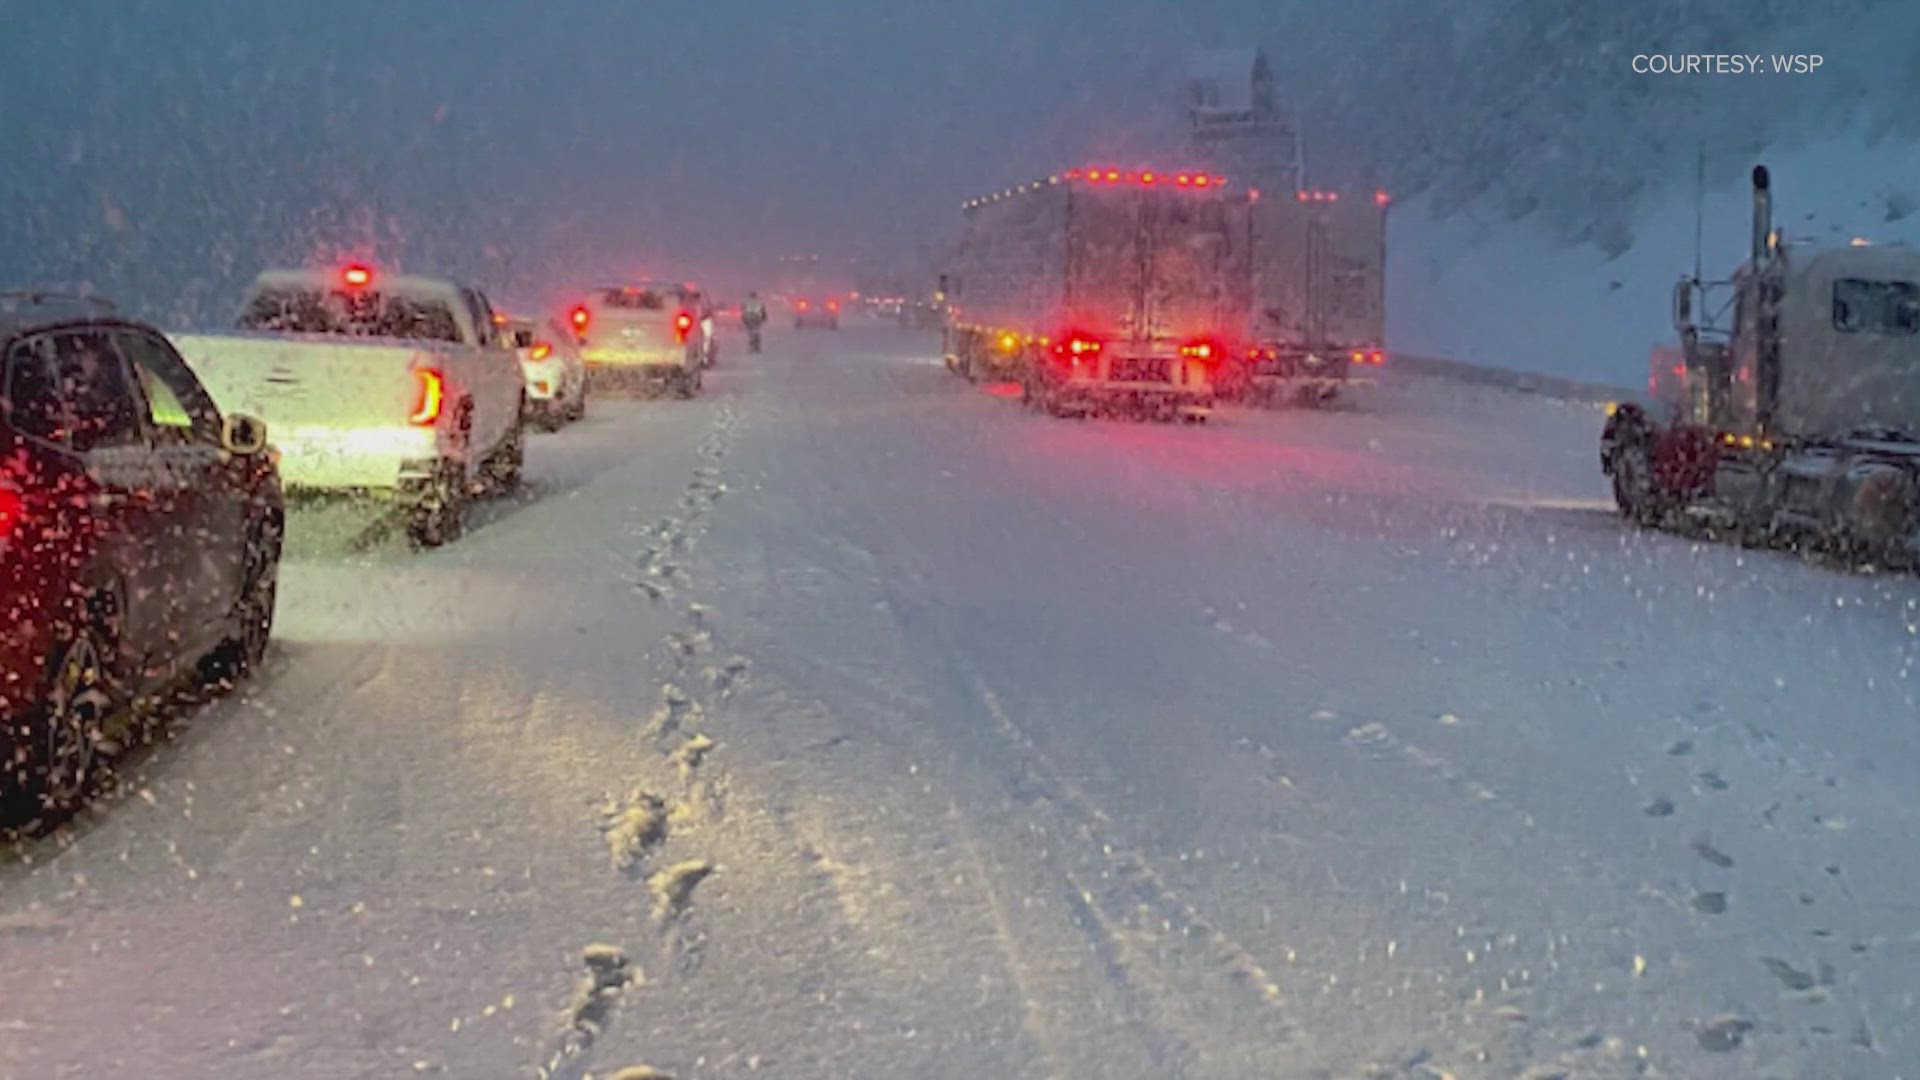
[(1683, 305), (243, 435)]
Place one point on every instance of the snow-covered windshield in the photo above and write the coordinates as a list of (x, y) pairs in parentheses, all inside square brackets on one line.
[(842, 539)]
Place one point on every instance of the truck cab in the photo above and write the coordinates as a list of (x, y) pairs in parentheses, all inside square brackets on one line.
[(1791, 405)]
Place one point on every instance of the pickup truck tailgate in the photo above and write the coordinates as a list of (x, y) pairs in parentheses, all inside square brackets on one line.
[(338, 410)]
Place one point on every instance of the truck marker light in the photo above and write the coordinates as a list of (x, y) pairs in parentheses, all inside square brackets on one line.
[(1009, 342), (1253, 194), (1113, 176), (1300, 196), (1202, 181), (833, 305), (1219, 181), (1359, 357), (1380, 198), (426, 409), (1147, 179), (357, 276), (1379, 357), (1183, 180)]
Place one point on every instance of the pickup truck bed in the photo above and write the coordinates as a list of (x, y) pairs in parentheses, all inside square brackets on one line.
[(339, 410)]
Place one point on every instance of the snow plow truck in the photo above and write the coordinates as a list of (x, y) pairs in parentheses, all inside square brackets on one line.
[(1791, 413), (1163, 292)]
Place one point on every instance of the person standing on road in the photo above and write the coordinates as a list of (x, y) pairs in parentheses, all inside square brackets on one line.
[(753, 315)]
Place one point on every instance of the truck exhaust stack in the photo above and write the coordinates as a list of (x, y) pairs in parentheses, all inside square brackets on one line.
[(1762, 213)]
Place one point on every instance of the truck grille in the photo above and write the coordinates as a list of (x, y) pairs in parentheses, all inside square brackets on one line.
[(1140, 369)]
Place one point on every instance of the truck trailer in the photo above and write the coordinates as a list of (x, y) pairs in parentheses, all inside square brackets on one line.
[(1103, 289)]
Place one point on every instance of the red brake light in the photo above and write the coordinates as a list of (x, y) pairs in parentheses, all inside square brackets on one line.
[(682, 324), (1113, 176), (1379, 357), (800, 305), (1183, 180), (357, 276), (426, 407), (12, 508), (1202, 181), (580, 317), (833, 305), (1198, 350), (1147, 179), (540, 351), (1359, 357)]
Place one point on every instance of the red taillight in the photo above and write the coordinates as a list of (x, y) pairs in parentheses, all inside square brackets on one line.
[(1201, 350), (1379, 357), (1380, 198), (1359, 356), (833, 305), (800, 305), (426, 407), (1148, 179), (682, 326), (1202, 181), (540, 351), (12, 507), (357, 277), (580, 316), (1113, 176)]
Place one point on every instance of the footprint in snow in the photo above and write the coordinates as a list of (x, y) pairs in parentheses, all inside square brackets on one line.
[(1712, 779), (1681, 748), (1722, 1034), (1705, 849), (1790, 977), (1661, 806), (1710, 903)]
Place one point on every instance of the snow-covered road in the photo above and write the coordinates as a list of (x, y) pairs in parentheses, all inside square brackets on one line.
[(888, 730)]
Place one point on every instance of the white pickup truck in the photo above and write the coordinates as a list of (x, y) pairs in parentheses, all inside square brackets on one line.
[(396, 388)]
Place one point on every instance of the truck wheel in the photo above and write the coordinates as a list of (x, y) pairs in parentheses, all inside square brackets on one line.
[(440, 516), (501, 473), (1634, 490)]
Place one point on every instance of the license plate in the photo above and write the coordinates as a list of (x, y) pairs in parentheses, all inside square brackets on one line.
[(1141, 369)]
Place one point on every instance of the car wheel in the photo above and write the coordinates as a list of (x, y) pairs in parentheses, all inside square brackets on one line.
[(58, 741), (246, 644)]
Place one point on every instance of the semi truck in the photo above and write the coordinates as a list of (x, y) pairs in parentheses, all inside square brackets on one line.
[(1160, 293), (1790, 411)]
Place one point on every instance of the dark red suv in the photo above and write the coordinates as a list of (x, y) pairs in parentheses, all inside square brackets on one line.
[(140, 538)]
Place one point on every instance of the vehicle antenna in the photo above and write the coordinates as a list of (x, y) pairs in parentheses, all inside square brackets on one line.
[(1699, 204)]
